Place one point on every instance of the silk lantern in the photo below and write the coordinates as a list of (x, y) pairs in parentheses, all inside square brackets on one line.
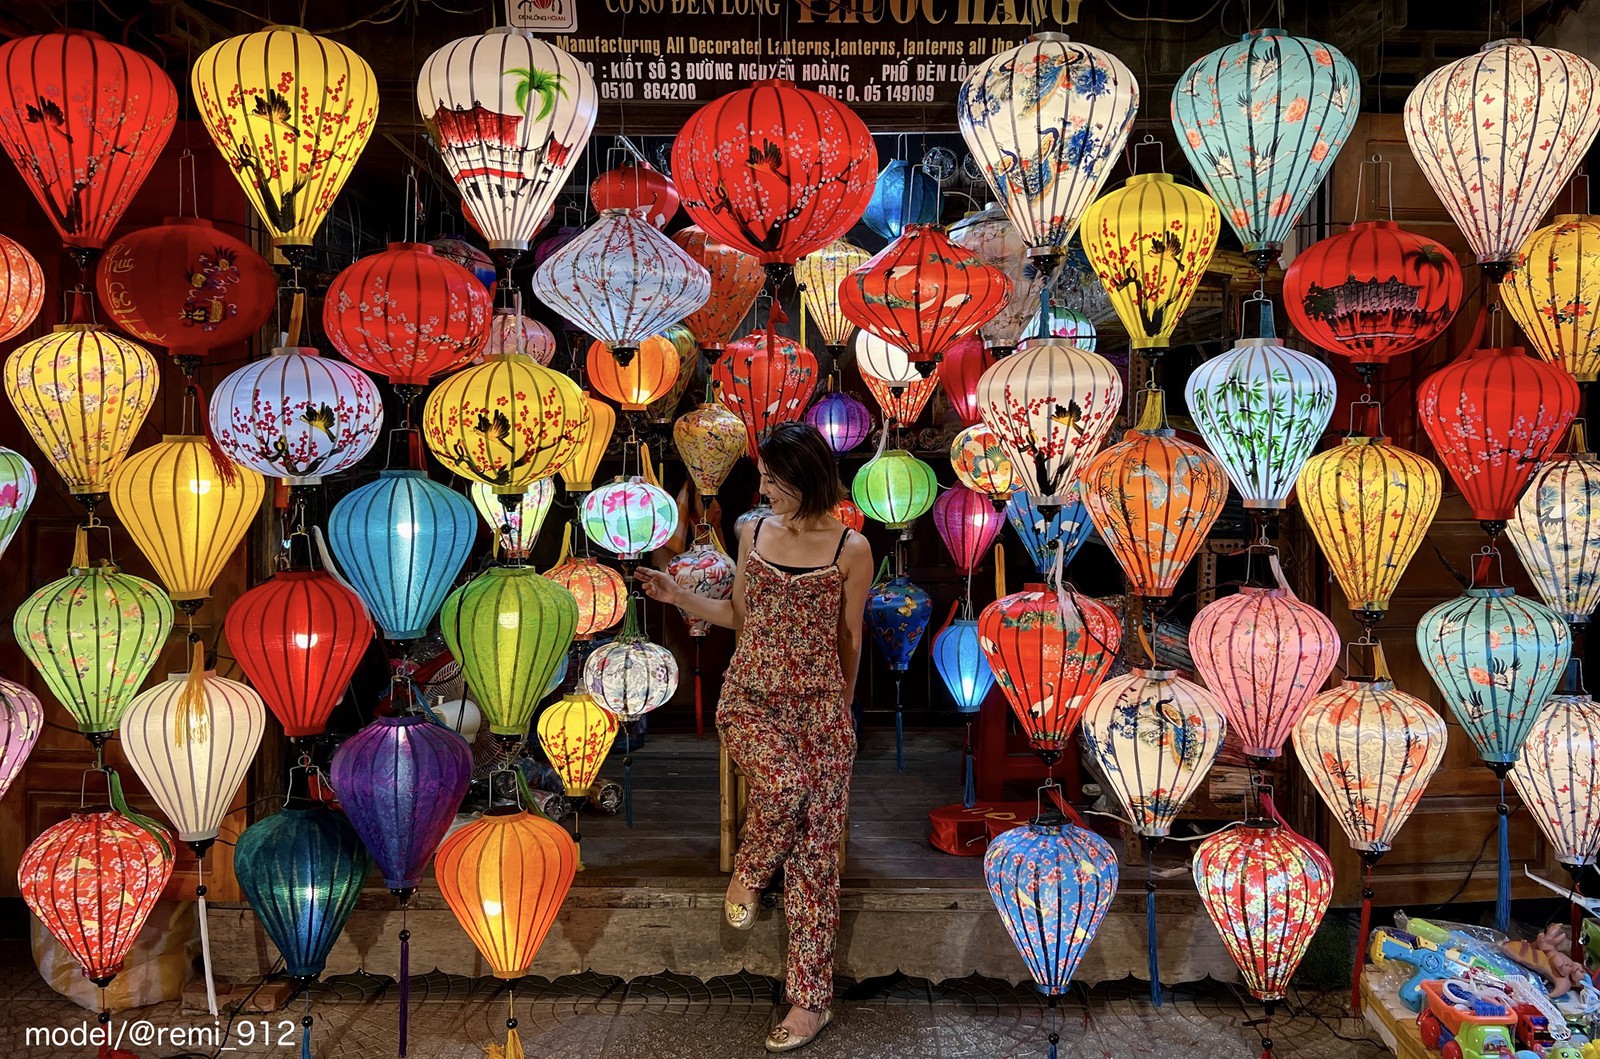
[(1497, 134), (896, 619), (963, 365), (629, 517), (185, 285), (18, 483), (1046, 122), (648, 375), (894, 488), (709, 439), (765, 379), (299, 638), (965, 672), (842, 420), (401, 541), (1076, 289), (774, 170), (290, 113), (1556, 534), (990, 234), (661, 410), (296, 415), (819, 275), (1055, 319), (507, 422), (576, 734), (1052, 884), (902, 405), (981, 464), (1261, 122), (21, 721), (599, 591), (1261, 408), (511, 332), (577, 474), (1050, 404), (736, 279), (1369, 504), (508, 627), (849, 515), (880, 359), (1154, 499), (1559, 774), (21, 288), (1551, 292), (705, 570), (1063, 529), (456, 248), (1150, 242), (637, 189), (903, 195), (630, 676), (84, 120), (968, 524), (516, 525), (302, 871)]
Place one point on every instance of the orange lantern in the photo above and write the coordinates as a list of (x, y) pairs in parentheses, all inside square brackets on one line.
[(599, 591), (648, 375), (21, 288), (736, 279), (902, 404), (848, 514)]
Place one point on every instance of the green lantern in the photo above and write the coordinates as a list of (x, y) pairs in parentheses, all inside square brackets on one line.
[(895, 488), (509, 628), (93, 636)]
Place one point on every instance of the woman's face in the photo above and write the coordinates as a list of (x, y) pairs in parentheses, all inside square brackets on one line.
[(784, 500)]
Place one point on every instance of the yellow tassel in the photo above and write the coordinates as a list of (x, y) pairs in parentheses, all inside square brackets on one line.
[(297, 315), (192, 718), (999, 570), (513, 1045), (646, 471), (80, 549), (1155, 410), (494, 1051)]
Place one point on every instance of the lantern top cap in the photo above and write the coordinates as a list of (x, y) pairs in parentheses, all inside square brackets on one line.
[(1570, 218), (1157, 177), (1358, 440), (298, 575), (1266, 31), (1491, 591), (401, 472), (1049, 37), (776, 82), (284, 29), (1259, 343), (419, 248), (182, 439), (1506, 42), (304, 351), (1157, 674)]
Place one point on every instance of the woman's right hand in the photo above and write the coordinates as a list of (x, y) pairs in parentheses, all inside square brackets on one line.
[(658, 585)]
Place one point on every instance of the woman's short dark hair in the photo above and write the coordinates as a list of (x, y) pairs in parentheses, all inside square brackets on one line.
[(796, 455)]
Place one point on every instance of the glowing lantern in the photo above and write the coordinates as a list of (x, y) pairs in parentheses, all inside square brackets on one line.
[(991, 235), (21, 288), (737, 162), (18, 483), (506, 423), (629, 517), (889, 364), (1306, 92), (648, 375), (1063, 529), (622, 281), (599, 591), (1261, 407), (508, 627), (577, 474), (904, 195), (765, 380), (1055, 320), (736, 279), (78, 871), (849, 515), (1556, 534), (960, 660), (296, 415), (842, 420), (21, 721), (516, 525), (299, 638), (1498, 133), (709, 439), (819, 275), (1052, 884), (895, 488), (630, 676), (1155, 736), (968, 524), (1559, 772), (963, 365), (1046, 121), (576, 735), (401, 541), (897, 617), (636, 189), (1154, 498), (510, 115), (663, 408), (1050, 404), (902, 405), (291, 113), (981, 464), (1551, 293), (512, 333), (187, 509), (1369, 505)]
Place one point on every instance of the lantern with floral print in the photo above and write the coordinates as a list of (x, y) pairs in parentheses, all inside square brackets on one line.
[(902, 405), (894, 488), (897, 617), (1046, 121), (1049, 650), (629, 517), (21, 288), (506, 422), (765, 379), (1556, 534), (661, 410), (516, 525), (509, 628), (1498, 133), (1052, 884), (598, 590), (963, 365), (1558, 777), (1306, 92), (981, 464), (849, 515), (21, 721), (709, 439), (456, 248), (842, 420), (990, 234), (1054, 319), (630, 676), (736, 279), (577, 474), (636, 189), (510, 332), (819, 275), (904, 195), (576, 734), (1553, 290), (968, 524), (296, 415), (18, 482), (648, 375), (705, 570), (1063, 529)]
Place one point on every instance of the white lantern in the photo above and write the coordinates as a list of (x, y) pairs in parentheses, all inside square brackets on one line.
[(630, 517), (991, 235), (884, 362), (1558, 777), (516, 524), (1556, 533), (461, 716), (631, 676)]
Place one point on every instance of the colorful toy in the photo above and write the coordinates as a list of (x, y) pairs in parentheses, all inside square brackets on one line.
[(1458, 1025), (1431, 960)]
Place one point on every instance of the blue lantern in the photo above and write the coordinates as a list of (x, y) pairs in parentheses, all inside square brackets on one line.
[(897, 616), (967, 675), (401, 541), (1067, 529), (904, 195), (843, 421)]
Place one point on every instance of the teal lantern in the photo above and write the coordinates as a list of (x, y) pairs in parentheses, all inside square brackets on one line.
[(904, 195), (895, 488), (1042, 536), (897, 617), (966, 673), (401, 541), (1261, 122)]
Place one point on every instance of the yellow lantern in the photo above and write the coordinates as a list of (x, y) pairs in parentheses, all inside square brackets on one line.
[(576, 735), (290, 113), (1149, 242), (710, 439), (578, 473), (82, 393), (648, 375), (819, 274), (187, 508), (1553, 293), (507, 422)]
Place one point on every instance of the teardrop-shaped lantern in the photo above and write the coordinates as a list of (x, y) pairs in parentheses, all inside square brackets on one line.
[(897, 617), (506, 422), (509, 628), (904, 195), (1261, 122), (18, 483), (1558, 777), (21, 721), (516, 525), (1553, 290), (902, 405), (1556, 534), (736, 279), (765, 380), (842, 420), (895, 488), (648, 374), (1065, 528), (990, 234), (630, 676), (638, 189), (981, 464), (968, 524), (1052, 884), (577, 474), (705, 570), (709, 439), (629, 517), (962, 665), (819, 275), (21, 288), (963, 365), (576, 734)]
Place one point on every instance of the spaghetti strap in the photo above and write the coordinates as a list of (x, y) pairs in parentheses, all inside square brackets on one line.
[(840, 549), (757, 534)]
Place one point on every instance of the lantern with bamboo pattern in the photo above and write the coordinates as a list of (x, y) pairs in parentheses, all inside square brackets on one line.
[(576, 734), (1052, 884), (577, 474), (629, 517), (649, 374), (736, 279), (21, 721), (21, 288), (819, 275), (894, 488), (509, 628), (1556, 534), (506, 422), (968, 524), (516, 525), (18, 483), (1558, 777), (1043, 535), (902, 405), (1553, 293), (990, 234), (296, 415), (765, 379), (709, 439), (981, 464)]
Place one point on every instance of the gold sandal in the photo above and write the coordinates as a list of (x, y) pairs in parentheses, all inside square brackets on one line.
[(739, 916), (781, 1040)]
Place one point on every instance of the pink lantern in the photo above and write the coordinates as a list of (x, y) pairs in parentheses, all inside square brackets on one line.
[(968, 523), (21, 719)]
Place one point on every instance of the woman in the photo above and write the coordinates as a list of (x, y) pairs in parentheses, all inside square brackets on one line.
[(798, 601)]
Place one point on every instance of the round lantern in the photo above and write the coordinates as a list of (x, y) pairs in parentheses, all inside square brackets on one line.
[(894, 488), (1052, 884), (1369, 505), (84, 120), (981, 464), (18, 483), (968, 523), (186, 286), (879, 359), (302, 871), (1055, 320), (1558, 777), (21, 288), (636, 189), (1050, 404), (1261, 407), (622, 281), (21, 721), (290, 113), (1556, 534), (299, 638), (457, 249), (765, 380), (819, 275), (902, 405), (1046, 121), (1049, 651), (508, 627), (1493, 415), (904, 195), (647, 376), (516, 525), (577, 474), (1064, 529), (630, 676), (510, 332), (705, 570), (1372, 292), (1497, 134), (848, 514), (990, 234), (82, 393), (401, 541), (92, 880), (738, 159), (1306, 92), (736, 279), (506, 423), (599, 591), (1154, 498), (1150, 242), (629, 517), (576, 734), (842, 420), (187, 509), (963, 365), (1154, 736), (1552, 292), (959, 658), (406, 314), (709, 439)]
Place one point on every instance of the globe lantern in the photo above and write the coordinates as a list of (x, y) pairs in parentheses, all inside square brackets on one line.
[(84, 120), (842, 420), (1050, 404), (894, 488), (629, 517), (577, 474), (647, 376), (968, 524), (506, 423), (511, 332), (963, 365), (508, 627), (709, 439), (290, 113), (630, 676), (599, 591), (1559, 767), (1052, 884), (981, 464), (1551, 293), (576, 734), (705, 570), (1055, 319), (21, 721), (510, 114), (1063, 530), (515, 525), (736, 279), (18, 483), (1303, 90), (1497, 134), (765, 379), (401, 541), (21, 288), (299, 638), (901, 405), (1556, 534), (819, 275), (1150, 242), (1046, 122), (636, 189), (990, 234), (904, 195)]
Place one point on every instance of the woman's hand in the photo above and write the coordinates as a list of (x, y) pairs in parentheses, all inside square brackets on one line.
[(658, 585)]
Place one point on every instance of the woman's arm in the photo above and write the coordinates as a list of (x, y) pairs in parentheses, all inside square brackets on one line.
[(660, 586), (856, 562)]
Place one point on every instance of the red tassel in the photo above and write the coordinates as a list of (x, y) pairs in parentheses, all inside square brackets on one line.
[(699, 699), (1361, 948), (219, 458), (414, 450)]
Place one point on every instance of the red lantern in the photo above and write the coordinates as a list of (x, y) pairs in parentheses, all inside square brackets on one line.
[(299, 638), (186, 286), (21, 288), (407, 314), (736, 279), (848, 514), (964, 363), (923, 294), (903, 404), (775, 170), (84, 120), (640, 190), (765, 385), (1373, 292), (968, 523)]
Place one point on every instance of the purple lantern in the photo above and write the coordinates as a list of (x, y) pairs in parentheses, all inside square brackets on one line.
[(968, 524), (843, 421), (21, 718)]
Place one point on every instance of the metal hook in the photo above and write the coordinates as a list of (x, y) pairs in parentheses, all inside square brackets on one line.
[(1149, 141)]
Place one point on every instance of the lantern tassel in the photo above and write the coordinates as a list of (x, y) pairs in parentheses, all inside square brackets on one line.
[(899, 728), (1055, 1029), (219, 459), (1502, 890), (305, 1031), (189, 719), (1153, 954), (969, 787), (699, 695), (80, 549), (405, 982), (205, 941), (1361, 945)]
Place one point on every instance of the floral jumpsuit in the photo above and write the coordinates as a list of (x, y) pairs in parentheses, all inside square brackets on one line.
[(784, 720)]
